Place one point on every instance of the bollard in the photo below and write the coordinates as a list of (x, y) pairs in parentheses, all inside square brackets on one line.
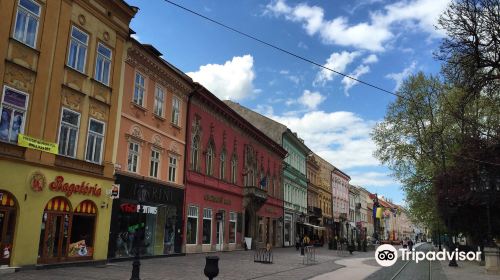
[(211, 267)]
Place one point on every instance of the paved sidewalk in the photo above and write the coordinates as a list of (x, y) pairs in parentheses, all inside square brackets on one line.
[(232, 265), (467, 270)]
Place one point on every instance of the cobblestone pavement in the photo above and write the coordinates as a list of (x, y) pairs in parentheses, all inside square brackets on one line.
[(232, 265)]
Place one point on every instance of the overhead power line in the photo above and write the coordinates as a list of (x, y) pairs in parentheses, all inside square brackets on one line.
[(282, 49)]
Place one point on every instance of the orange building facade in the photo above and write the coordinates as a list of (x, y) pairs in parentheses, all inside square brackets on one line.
[(151, 145)]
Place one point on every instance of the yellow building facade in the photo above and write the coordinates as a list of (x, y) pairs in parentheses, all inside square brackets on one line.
[(61, 64)]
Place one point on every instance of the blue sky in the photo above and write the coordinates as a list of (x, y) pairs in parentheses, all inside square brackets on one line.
[(377, 41)]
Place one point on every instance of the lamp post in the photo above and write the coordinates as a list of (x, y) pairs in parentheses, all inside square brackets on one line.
[(139, 233)]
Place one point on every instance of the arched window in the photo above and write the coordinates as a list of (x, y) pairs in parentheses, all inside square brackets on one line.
[(8, 209), (222, 165), (82, 230), (234, 169), (195, 153), (209, 164)]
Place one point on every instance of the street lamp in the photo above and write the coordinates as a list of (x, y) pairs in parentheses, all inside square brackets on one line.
[(139, 233)]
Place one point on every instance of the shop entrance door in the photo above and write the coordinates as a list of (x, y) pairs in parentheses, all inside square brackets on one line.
[(220, 233), (55, 237), (7, 225)]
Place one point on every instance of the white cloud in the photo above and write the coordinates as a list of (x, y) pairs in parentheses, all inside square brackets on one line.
[(337, 62), (399, 77), (342, 138), (232, 80), (265, 110), (371, 178), (370, 35), (358, 72), (302, 45), (372, 58), (311, 99)]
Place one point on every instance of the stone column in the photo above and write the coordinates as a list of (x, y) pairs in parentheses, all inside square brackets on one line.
[(492, 255)]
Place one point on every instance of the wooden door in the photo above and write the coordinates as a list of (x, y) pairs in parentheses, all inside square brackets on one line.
[(56, 233)]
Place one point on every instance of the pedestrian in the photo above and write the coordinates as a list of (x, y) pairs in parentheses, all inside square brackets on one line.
[(405, 243), (410, 245), (306, 240), (297, 242)]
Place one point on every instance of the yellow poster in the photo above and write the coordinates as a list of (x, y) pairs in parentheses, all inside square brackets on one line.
[(379, 212), (37, 144)]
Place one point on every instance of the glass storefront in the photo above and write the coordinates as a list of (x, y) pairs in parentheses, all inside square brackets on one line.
[(159, 217)]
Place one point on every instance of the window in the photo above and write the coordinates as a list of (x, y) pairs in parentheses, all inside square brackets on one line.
[(232, 227), (222, 166), (155, 163), (103, 64), (78, 49), (139, 89), (95, 140), (159, 101), (68, 135), (176, 108), (192, 225), (26, 28), (210, 160), (207, 226), (13, 107), (172, 168), (234, 169), (133, 156), (195, 153)]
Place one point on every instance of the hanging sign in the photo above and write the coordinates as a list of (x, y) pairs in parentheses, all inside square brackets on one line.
[(37, 144), (115, 191)]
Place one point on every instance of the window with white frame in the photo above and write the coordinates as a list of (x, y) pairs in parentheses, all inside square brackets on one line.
[(155, 163), (103, 64), (159, 101), (192, 225), (78, 49), (13, 107), (68, 132), (27, 18), (207, 226), (209, 164), (139, 89), (133, 156), (176, 109), (195, 153), (95, 141), (232, 227), (172, 168)]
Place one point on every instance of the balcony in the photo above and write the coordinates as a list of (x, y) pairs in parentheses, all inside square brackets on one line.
[(315, 211), (254, 197)]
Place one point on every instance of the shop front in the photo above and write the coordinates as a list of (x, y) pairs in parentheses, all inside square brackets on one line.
[(146, 206), (288, 230), (214, 218), (270, 224), (50, 216)]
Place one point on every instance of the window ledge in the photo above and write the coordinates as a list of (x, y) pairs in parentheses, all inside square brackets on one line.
[(76, 71), (175, 126), (24, 44), (101, 83), (158, 117), (140, 107)]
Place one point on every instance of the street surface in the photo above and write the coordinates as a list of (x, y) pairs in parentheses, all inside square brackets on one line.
[(288, 264)]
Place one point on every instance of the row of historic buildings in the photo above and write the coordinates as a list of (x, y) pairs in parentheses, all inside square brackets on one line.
[(102, 139)]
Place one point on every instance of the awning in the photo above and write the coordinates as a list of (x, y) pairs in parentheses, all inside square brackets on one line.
[(314, 226)]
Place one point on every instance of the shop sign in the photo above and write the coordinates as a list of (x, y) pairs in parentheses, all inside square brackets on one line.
[(37, 144), (217, 199), (134, 208), (38, 182), (270, 210), (58, 185), (115, 191)]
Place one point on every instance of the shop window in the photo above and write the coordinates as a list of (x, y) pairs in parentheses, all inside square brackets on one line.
[(172, 168), (7, 225), (95, 141), (27, 18), (159, 101), (68, 134), (192, 225), (207, 226), (232, 227), (13, 107), (82, 231), (77, 54)]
